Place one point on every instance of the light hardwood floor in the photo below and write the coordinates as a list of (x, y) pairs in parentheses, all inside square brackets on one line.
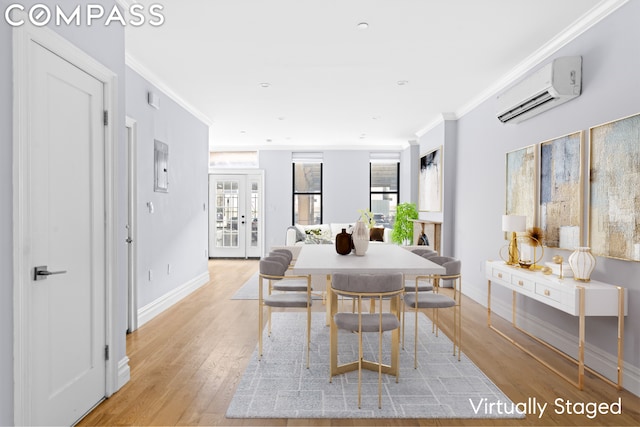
[(186, 363)]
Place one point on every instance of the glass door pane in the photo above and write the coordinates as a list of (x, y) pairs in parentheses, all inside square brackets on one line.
[(227, 208)]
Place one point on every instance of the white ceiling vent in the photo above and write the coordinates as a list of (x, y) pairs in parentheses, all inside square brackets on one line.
[(557, 82)]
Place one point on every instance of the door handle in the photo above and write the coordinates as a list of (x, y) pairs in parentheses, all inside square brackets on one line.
[(129, 240), (41, 272)]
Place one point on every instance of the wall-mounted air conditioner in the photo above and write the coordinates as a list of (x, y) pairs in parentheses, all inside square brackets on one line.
[(557, 82)]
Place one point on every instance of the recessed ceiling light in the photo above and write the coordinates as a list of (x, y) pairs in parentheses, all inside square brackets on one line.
[(363, 25), (265, 84), (403, 82), (281, 118)]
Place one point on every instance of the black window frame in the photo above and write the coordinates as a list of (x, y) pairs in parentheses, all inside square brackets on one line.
[(294, 193), (371, 192)]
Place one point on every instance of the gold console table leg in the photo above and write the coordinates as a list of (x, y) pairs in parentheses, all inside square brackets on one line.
[(581, 340)]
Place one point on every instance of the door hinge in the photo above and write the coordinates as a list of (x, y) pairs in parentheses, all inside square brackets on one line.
[(106, 118), (106, 352)]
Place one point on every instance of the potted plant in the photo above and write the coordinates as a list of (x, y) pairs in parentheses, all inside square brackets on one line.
[(403, 227)]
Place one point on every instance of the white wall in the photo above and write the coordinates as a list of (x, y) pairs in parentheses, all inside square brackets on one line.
[(611, 90), (409, 169), (6, 227), (346, 185), (175, 234)]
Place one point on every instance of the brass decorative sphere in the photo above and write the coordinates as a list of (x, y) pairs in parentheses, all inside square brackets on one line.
[(558, 259)]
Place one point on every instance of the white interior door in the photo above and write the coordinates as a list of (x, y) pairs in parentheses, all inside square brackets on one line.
[(65, 212), (235, 215)]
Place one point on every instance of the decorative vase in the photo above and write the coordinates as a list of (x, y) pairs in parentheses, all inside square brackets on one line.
[(360, 237), (343, 242), (582, 263)]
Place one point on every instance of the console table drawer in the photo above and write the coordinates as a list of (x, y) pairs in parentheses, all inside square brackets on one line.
[(522, 283), (548, 292), (501, 275)]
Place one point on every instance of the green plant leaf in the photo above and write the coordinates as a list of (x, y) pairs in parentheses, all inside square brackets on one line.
[(403, 226)]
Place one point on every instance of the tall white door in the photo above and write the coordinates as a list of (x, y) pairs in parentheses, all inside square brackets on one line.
[(235, 215), (65, 212)]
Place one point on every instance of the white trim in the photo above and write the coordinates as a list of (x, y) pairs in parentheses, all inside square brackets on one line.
[(22, 37), (124, 372), (167, 300), (596, 358), (132, 183), (132, 63), (582, 24)]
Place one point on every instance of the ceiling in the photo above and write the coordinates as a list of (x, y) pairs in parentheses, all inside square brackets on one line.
[(332, 84)]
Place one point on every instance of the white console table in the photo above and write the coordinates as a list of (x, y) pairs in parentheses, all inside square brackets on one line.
[(575, 298)]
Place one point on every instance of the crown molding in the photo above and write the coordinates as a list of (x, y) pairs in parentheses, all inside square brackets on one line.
[(157, 82), (582, 24), (293, 147)]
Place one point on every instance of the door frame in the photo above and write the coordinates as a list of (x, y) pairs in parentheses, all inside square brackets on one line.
[(132, 220), (246, 172), (23, 37)]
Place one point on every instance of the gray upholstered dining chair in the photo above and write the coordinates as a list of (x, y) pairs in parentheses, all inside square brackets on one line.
[(378, 288), (425, 251), (273, 269), (283, 252), (436, 300), (412, 284)]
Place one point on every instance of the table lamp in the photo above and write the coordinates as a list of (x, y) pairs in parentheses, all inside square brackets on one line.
[(514, 224)]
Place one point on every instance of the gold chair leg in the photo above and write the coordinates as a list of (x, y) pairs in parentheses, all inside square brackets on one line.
[(415, 340), (360, 354), (379, 354), (260, 320), (308, 318), (403, 320)]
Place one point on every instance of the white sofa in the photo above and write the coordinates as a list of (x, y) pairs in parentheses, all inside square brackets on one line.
[(322, 233)]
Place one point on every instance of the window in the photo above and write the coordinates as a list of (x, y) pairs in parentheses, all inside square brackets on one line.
[(307, 193), (233, 159), (384, 178)]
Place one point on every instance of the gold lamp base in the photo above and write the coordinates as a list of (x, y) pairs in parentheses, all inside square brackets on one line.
[(514, 254)]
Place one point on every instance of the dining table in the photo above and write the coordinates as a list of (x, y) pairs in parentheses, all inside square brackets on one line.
[(379, 259)]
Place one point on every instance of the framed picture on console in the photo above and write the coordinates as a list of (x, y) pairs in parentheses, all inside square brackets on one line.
[(430, 181), (561, 184), (614, 189), (521, 183)]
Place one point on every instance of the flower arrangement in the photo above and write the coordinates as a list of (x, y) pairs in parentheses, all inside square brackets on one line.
[(367, 217)]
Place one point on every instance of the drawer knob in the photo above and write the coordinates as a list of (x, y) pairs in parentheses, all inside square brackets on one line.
[(500, 275), (520, 282), (546, 292)]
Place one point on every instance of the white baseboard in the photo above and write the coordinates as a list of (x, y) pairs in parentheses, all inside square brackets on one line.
[(156, 307), (596, 358), (124, 372)]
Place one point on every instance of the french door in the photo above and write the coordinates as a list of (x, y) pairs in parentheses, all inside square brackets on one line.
[(235, 215)]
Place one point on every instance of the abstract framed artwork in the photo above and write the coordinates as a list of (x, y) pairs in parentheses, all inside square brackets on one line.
[(521, 183), (614, 189), (561, 201), (430, 181)]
